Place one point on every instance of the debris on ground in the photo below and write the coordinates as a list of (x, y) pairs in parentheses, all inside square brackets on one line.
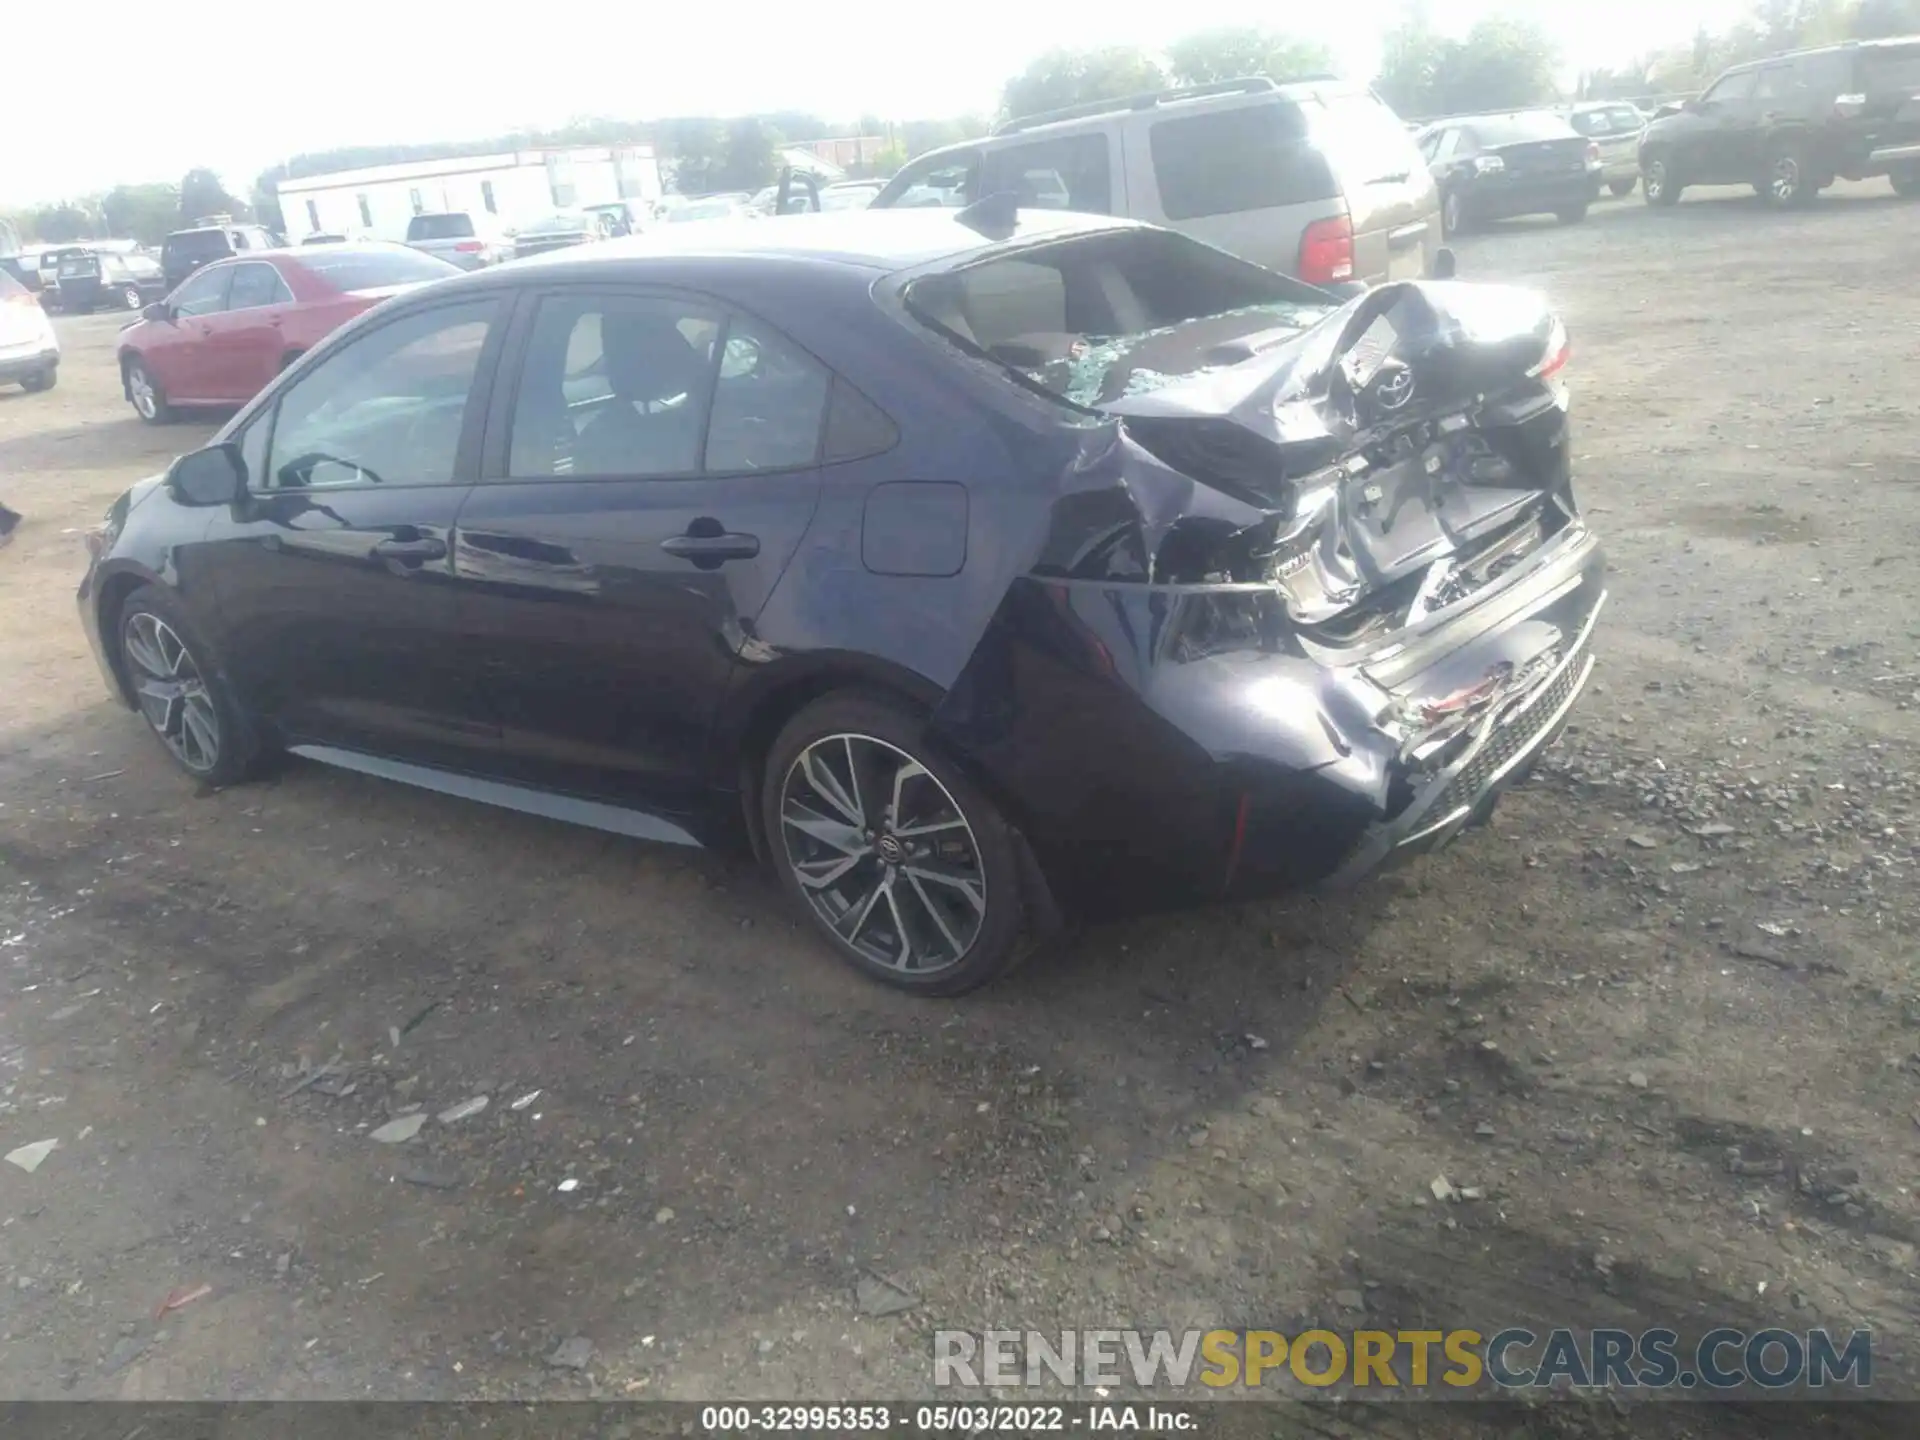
[(574, 1354), (877, 1296), (527, 1099), (332, 1070), (430, 1177), (465, 1110), (1442, 1188), (568, 1186), (28, 1157), (398, 1132), (1643, 842), (179, 1298)]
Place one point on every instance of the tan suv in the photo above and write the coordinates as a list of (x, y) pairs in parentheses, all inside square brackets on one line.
[(1315, 178)]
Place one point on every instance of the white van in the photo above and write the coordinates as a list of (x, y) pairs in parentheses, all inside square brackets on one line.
[(1316, 178)]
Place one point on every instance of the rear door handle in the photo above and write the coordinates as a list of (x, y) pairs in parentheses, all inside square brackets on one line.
[(427, 548), (712, 549)]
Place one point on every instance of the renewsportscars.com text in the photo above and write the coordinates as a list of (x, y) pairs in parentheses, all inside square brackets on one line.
[(1444, 1360)]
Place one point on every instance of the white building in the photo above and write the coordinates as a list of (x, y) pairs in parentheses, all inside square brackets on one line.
[(519, 188)]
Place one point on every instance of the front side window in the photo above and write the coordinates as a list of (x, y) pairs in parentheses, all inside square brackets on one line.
[(205, 293), (385, 409), (644, 386), (1224, 162), (1775, 82), (1730, 88), (1070, 173), (255, 286)]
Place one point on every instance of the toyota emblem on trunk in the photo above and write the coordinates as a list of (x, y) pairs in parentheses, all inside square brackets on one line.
[(1394, 389)]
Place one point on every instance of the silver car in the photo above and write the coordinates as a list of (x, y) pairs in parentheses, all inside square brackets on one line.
[(1315, 178), (459, 237), (1615, 127)]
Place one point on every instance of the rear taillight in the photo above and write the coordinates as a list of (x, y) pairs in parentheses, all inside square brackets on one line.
[(1326, 251), (469, 247), (1557, 352), (1593, 155), (1848, 106)]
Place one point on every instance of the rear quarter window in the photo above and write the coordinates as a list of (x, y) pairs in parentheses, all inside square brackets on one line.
[(1250, 157), (1890, 67)]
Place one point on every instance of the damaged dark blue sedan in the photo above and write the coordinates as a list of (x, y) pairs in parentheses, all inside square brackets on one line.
[(977, 571)]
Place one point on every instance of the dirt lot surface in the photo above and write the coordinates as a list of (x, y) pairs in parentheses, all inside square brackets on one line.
[(1662, 1017)]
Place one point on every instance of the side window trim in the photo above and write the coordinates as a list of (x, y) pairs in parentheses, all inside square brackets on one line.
[(466, 452)]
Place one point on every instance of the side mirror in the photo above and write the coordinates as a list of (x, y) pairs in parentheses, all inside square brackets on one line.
[(1445, 267), (213, 476), (159, 310)]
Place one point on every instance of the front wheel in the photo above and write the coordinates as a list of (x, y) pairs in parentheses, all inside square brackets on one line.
[(1659, 184), (149, 400), (904, 867), (180, 691), (1619, 189), (41, 380), (130, 298)]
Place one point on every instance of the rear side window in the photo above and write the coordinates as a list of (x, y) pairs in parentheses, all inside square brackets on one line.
[(1889, 67), (440, 227), (1253, 157), (1613, 120), (1072, 172)]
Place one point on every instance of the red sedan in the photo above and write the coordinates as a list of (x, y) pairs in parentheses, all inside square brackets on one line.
[(230, 328)]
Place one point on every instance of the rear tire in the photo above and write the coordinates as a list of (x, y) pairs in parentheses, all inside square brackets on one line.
[(1785, 182), (902, 865), (181, 690), (1620, 189), (43, 380), (1658, 184), (144, 393)]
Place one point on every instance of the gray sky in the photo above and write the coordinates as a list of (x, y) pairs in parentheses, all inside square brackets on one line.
[(238, 85)]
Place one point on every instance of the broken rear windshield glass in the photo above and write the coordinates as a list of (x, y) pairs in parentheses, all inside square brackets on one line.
[(1102, 316)]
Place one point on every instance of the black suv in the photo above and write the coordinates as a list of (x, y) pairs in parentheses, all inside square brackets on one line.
[(1791, 125), (187, 250)]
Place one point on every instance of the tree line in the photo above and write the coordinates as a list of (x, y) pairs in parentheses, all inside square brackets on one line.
[(1503, 62)]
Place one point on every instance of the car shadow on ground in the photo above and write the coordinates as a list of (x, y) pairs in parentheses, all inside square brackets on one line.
[(93, 445)]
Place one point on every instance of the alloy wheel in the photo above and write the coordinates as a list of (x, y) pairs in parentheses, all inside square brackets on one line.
[(172, 694), (1656, 179), (1785, 182), (140, 386), (130, 298), (883, 853)]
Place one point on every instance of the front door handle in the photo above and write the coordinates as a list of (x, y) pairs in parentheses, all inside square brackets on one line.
[(416, 551), (709, 550)]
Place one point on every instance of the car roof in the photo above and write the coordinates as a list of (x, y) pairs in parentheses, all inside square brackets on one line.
[(297, 255), (883, 240)]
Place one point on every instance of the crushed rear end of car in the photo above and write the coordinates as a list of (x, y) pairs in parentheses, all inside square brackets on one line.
[(1319, 586)]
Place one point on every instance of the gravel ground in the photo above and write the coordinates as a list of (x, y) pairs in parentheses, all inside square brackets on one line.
[(1662, 1015)]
